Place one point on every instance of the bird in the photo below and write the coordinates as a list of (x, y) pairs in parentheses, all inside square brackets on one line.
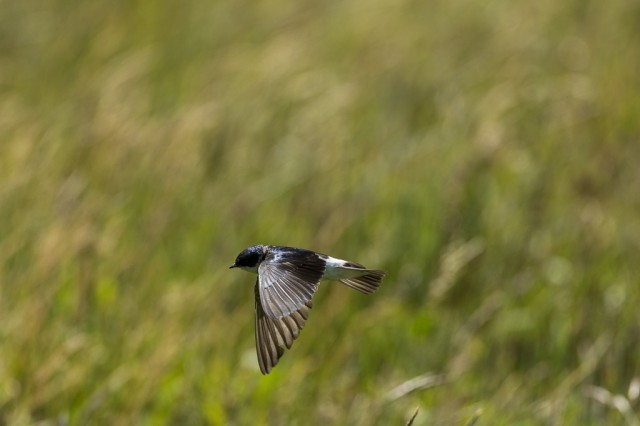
[(288, 277)]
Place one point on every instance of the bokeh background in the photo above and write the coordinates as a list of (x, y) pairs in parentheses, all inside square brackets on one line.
[(486, 154)]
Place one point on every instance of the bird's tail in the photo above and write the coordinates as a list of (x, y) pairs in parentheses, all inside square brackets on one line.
[(359, 278)]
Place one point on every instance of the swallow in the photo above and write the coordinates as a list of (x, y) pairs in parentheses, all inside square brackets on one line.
[(288, 278)]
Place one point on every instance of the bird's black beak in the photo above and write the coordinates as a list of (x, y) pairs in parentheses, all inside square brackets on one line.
[(232, 266)]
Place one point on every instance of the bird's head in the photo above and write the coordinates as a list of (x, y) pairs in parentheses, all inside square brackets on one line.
[(249, 258)]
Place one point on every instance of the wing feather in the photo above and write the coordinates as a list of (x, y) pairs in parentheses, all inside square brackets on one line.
[(288, 278), (274, 335)]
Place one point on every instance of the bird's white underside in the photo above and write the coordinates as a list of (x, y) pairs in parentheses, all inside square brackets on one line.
[(335, 270)]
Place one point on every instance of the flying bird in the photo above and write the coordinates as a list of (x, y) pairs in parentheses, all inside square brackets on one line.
[(287, 279)]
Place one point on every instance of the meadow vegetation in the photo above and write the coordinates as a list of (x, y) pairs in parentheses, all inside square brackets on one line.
[(485, 154)]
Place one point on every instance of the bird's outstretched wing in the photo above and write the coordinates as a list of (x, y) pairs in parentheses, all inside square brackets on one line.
[(287, 279), (274, 335)]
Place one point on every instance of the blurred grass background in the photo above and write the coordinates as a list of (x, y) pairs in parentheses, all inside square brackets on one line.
[(486, 154)]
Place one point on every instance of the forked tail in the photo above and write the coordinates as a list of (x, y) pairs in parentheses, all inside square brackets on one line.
[(364, 280)]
